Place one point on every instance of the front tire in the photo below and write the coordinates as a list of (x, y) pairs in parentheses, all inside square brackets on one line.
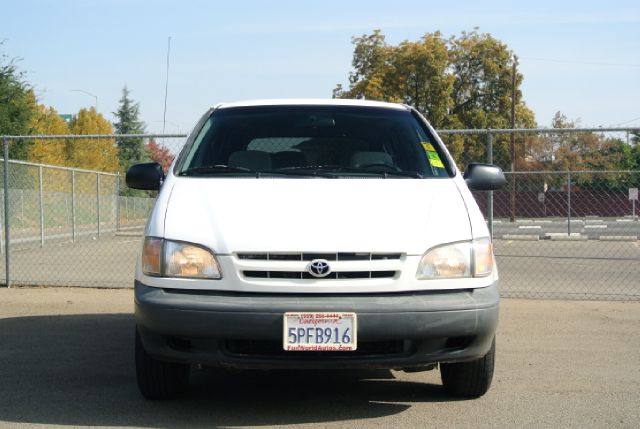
[(158, 379), (469, 379)]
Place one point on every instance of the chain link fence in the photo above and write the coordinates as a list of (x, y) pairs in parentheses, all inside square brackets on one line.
[(70, 226), (569, 235), (565, 226)]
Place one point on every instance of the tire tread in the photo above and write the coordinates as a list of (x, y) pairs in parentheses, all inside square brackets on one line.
[(469, 379), (157, 379)]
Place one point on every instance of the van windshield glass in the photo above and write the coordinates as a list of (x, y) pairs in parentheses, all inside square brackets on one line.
[(326, 141)]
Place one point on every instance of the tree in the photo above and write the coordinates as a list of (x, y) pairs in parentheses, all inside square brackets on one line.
[(160, 154), (482, 93), (424, 82), (460, 82), (370, 58), (46, 120), (414, 73), (588, 153), (17, 105), (130, 150), (635, 151), (94, 154), (575, 151)]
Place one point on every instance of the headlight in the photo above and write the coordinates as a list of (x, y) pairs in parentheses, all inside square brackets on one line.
[(457, 260), (187, 260), (176, 259)]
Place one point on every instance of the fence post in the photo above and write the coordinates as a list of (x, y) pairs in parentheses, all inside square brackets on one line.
[(41, 201), (7, 223), (2, 225), (118, 202), (98, 201), (22, 206), (490, 194), (73, 206), (568, 204), (512, 191)]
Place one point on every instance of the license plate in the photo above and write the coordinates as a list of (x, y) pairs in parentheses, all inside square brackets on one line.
[(320, 332)]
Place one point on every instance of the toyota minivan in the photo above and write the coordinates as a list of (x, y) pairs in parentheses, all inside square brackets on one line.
[(315, 234)]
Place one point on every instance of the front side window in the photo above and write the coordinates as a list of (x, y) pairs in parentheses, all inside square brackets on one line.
[(331, 141)]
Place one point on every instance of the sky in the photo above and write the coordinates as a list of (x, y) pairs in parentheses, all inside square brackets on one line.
[(577, 57)]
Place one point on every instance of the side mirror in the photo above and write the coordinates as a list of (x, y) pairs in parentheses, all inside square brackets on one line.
[(148, 176), (484, 177)]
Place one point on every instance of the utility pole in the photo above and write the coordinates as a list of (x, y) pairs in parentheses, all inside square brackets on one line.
[(166, 85), (512, 196)]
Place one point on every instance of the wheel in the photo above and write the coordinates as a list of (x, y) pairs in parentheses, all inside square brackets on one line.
[(158, 379), (469, 379)]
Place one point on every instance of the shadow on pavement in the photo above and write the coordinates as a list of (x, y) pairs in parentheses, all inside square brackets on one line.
[(78, 370)]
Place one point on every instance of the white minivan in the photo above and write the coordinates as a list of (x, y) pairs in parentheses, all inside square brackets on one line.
[(315, 234)]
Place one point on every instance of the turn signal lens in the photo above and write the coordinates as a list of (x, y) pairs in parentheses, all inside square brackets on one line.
[(483, 257), (151, 251)]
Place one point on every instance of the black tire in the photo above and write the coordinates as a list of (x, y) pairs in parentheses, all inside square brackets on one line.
[(469, 379), (158, 379)]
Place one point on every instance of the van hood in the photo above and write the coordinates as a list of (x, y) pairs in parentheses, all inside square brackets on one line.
[(230, 215)]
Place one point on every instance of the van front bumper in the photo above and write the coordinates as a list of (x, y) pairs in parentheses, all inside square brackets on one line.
[(244, 330)]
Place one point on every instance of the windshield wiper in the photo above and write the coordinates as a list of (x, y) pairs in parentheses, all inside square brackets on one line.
[(300, 171), (413, 174), (344, 169), (218, 168), (311, 170)]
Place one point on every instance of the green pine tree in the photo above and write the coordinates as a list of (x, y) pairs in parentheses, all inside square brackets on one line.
[(130, 150)]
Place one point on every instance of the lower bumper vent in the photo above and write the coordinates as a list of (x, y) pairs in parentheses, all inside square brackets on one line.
[(274, 349)]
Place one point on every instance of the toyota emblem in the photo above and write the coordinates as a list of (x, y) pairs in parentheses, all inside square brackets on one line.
[(319, 268)]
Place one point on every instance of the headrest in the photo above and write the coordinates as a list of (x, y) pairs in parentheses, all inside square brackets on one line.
[(251, 159), (362, 159)]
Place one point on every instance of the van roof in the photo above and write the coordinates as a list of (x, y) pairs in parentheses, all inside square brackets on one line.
[(312, 102)]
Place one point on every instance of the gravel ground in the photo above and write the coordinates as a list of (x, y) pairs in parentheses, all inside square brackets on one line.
[(66, 360)]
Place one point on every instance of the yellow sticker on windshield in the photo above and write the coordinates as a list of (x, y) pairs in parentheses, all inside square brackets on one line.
[(434, 158), (437, 163), (428, 147)]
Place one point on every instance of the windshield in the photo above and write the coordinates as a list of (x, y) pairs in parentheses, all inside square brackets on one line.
[(325, 141)]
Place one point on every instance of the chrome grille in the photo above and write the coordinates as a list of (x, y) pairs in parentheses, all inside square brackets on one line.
[(295, 265), (332, 276), (307, 256)]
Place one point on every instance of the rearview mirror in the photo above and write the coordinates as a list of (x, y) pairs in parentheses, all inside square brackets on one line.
[(484, 177), (148, 176)]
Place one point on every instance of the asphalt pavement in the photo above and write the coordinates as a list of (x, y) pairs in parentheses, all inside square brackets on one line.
[(66, 360), (592, 269), (591, 228)]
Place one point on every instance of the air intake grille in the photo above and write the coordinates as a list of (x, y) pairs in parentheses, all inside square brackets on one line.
[(331, 276), (273, 349), (343, 265), (342, 256)]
